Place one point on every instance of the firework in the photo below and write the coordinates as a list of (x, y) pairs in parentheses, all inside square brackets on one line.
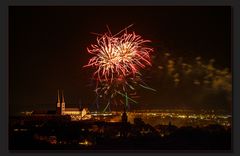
[(117, 61), (118, 56)]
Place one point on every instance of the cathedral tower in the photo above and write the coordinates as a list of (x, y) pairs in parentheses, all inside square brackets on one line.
[(58, 110), (63, 104)]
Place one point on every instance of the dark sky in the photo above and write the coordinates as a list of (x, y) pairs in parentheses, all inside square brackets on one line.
[(48, 48)]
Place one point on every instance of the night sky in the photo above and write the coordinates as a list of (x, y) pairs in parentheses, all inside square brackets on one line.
[(47, 49)]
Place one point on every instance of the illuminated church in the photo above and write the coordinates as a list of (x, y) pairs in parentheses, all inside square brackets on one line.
[(62, 110)]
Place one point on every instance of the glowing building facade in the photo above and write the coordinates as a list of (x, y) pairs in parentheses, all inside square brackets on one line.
[(62, 110)]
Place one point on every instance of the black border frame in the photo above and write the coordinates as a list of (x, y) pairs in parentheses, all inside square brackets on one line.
[(4, 64)]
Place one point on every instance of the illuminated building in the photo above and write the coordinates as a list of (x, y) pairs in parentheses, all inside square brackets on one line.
[(63, 110)]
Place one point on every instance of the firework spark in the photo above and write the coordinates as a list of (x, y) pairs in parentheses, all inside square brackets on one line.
[(118, 59), (117, 56)]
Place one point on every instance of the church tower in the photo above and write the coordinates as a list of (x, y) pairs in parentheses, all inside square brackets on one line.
[(63, 104), (58, 110), (124, 125)]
